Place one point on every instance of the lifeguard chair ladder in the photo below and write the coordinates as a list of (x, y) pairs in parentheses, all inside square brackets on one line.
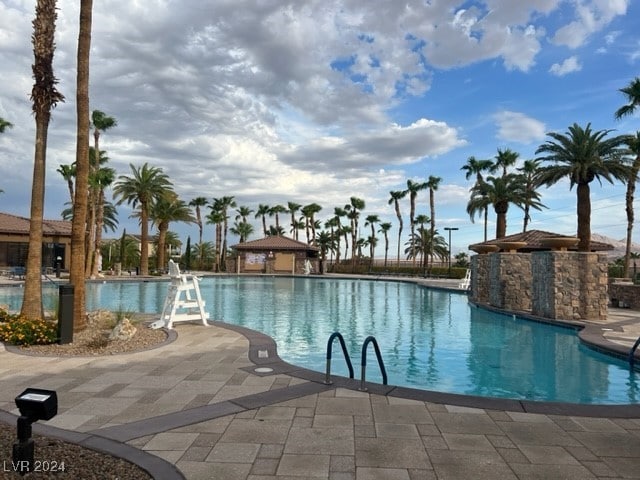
[(179, 305)]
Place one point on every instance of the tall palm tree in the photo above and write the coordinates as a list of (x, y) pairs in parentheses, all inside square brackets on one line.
[(633, 142), (632, 94), (372, 220), (166, 209), (395, 197), (432, 185), (478, 167), (421, 221), (583, 155), (4, 124), (292, 208), (224, 204), (309, 211), (79, 222), (92, 251), (141, 190), (68, 172), (384, 230), (243, 212), (412, 189), (100, 180), (216, 217), (262, 212), (499, 192), (338, 213), (353, 208), (44, 96), (275, 211), (529, 172), (198, 203)]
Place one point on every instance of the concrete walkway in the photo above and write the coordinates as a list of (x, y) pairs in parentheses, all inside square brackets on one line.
[(197, 408)]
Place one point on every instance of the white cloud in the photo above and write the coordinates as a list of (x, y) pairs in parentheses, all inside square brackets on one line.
[(591, 17), (517, 127), (569, 65)]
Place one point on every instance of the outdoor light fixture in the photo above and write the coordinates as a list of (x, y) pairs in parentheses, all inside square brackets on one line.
[(34, 404), (450, 229)]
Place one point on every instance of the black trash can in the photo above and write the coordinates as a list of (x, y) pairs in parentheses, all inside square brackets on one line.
[(65, 314)]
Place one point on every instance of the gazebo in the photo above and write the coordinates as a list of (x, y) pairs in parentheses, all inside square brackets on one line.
[(275, 254), (535, 240)]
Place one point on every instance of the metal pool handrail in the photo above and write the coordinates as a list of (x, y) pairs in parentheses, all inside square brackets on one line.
[(327, 378), (632, 352), (367, 341)]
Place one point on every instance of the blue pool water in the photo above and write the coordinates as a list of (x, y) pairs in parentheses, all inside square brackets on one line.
[(430, 339)]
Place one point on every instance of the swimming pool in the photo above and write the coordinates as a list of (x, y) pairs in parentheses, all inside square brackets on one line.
[(430, 339)]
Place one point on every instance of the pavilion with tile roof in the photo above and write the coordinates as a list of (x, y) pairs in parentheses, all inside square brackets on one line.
[(14, 241), (274, 254), (533, 239)]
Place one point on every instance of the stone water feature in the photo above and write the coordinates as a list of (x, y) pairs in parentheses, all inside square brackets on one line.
[(554, 284)]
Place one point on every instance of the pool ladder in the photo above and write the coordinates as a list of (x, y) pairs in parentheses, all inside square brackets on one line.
[(363, 363), (632, 352)]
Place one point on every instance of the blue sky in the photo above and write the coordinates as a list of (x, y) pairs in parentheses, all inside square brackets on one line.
[(318, 101)]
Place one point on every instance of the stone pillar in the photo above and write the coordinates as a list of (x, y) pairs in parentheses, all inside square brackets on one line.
[(569, 285), (480, 281), (510, 281)]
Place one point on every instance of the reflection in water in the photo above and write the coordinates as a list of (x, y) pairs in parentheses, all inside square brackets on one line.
[(430, 339)]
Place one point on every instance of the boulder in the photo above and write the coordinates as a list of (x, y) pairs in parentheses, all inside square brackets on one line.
[(124, 330)]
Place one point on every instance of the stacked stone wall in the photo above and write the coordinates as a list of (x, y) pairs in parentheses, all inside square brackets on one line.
[(480, 278), (624, 295), (569, 285), (510, 281)]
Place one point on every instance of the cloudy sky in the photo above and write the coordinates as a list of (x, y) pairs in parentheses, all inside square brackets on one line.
[(273, 101)]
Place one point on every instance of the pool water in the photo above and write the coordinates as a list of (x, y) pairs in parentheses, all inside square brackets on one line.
[(430, 339)]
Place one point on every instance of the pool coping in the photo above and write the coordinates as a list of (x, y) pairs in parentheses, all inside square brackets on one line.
[(260, 342)]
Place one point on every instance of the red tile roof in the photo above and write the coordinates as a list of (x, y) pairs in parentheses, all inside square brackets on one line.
[(533, 239), (275, 243), (20, 225)]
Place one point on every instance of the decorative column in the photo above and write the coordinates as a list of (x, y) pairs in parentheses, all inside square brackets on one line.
[(480, 281)]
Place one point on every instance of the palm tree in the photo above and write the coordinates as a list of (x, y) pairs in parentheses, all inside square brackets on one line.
[(276, 210), (242, 213), (79, 222), (384, 229), (499, 192), (478, 167), (632, 94), (372, 220), (432, 185), (44, 96), (353, 213), (165, 210), (325, 241), (396, 196), (242, 229), (504, 159), (412, 189), (197, 203), (633, 142), (224, 204), (4, 124), (216, 217), (206, 251), (583, 155), (262, 212), (141, 190), (529, 172), (292, 208), (421, 221), (99, 181), (68, 172), (309, 211), (338, 213)]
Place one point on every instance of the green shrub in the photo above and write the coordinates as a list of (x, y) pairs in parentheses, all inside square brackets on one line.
[(20, 331)]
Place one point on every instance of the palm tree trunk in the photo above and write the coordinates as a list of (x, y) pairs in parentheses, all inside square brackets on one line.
[(144, 238), (32, 298), (78, 226), (162, 235), (584, 217), (98, 234), (629, 197)]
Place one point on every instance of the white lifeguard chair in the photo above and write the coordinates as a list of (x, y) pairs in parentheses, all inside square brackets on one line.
[(465, 284), (179, 309)]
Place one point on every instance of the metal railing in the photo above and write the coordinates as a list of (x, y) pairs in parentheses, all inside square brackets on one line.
[(363, 363), (327, 378)]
